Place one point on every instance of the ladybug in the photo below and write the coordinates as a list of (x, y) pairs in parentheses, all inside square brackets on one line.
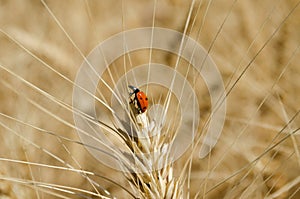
[(138, 99)]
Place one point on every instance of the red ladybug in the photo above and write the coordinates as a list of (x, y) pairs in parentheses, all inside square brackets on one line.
[(138, 99)]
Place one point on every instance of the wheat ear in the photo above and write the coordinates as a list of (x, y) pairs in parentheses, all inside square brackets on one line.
[(146, 164)]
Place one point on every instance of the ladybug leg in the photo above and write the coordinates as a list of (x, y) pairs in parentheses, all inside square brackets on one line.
[(133, 104)]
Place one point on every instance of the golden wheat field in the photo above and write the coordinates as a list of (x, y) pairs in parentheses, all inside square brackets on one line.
[(255, 47)]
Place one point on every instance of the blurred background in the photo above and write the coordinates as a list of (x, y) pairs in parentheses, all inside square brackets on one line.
[(253, 43)]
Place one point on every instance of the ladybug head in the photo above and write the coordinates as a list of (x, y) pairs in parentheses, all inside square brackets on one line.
[(134, 89)]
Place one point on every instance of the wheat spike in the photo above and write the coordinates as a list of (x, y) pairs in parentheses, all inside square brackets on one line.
[(147, 168)]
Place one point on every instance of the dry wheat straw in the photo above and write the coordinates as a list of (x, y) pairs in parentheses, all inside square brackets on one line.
[(146, 166), (237, 171)]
